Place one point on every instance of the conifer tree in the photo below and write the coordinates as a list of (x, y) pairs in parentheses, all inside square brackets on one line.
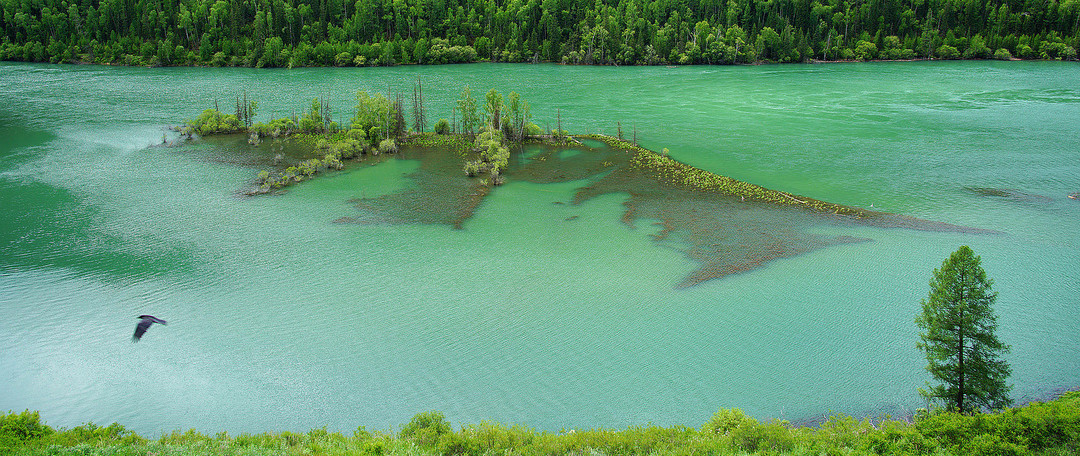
[(958, 325)]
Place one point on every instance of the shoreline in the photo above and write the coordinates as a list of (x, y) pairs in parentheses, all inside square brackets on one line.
[(542, 62), (1050, 427)]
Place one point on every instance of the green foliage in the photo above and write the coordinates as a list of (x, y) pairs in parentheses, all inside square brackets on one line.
[(671, 172), (532, 130), (276, 128), (19, 428), (865, 50), (494, 156), (493, 107), (313, 120), (947, 52), (388, 146), (212, 121), (426, 428), (518, 116), (726, 420), (442, 127), (265, 33), (472, 168), (958, 324), (377, 116), (1051, 428), (466, 106)]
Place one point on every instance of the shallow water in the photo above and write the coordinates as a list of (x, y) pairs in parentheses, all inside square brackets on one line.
[(550, 315)]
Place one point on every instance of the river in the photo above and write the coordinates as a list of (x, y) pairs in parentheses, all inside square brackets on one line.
[(535, 312)]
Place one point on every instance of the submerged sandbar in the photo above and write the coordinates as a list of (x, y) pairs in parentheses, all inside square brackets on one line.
[(725, 225)]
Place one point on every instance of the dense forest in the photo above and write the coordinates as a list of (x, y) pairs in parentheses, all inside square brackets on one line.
[(288, 33)]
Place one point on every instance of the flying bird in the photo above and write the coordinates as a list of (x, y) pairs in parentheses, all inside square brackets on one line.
[(144, 323)]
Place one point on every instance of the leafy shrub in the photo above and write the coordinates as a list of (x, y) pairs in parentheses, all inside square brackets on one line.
[(18, 428), (356, 133), (426, 428), (442, 127), (977, 49), (1002, 54), (276, 128), (726, 420), (212, 121), (865, 50), (992, 445), (947, 52), (472, 168), (90, 433), (218, 59), (388, 146), (773, 436), (1025, 51)]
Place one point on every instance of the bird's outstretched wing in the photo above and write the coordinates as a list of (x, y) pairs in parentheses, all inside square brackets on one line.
[(145, 321), (141, 328), (153, 319)]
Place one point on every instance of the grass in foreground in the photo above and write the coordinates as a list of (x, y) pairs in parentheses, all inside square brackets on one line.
[(1050, 428)]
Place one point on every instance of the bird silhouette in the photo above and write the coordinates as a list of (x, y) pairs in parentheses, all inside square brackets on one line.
[(144, 323)]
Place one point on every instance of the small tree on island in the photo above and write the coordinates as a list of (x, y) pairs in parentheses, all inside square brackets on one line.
[(467, 106), (958, 324)]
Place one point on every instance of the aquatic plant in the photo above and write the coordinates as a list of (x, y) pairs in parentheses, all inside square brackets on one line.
[(212, 121), (336, 152), (672, 172)]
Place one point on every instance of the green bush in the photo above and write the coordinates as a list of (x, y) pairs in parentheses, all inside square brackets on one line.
[(977, 49), (357, 134), (726, 420), (947, 52), (426, 428), (532, 129), (865, 50), (388, 146), (212, 121), (1051, 428), (1025, 51), (19, 428), (442, 127)]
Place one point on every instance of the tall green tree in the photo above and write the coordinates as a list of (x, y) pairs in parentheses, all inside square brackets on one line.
[(467, 106), (493, 107), (958, 325)]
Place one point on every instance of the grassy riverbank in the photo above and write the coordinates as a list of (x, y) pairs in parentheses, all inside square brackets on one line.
[(1050, 428)]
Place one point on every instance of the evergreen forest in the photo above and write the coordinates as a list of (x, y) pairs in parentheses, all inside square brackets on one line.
[(291, 33)]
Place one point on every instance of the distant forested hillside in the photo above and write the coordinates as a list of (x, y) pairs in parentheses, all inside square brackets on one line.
[(281, 33)]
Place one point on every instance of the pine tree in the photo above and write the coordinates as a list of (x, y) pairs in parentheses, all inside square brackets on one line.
[(958, 325)]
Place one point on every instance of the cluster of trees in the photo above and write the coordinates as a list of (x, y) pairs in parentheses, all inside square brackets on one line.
[(279, 33), (509, 119)]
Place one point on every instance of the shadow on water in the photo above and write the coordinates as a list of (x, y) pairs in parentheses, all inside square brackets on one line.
[(724, 234), (42, 226)]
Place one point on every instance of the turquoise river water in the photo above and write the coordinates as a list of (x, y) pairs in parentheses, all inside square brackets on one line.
[(281, 319)]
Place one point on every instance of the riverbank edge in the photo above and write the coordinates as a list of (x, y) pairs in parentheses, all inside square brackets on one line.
[(475, 62), (1041, 428)]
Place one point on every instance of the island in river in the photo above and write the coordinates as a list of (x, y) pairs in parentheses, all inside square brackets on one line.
[(724, 225)]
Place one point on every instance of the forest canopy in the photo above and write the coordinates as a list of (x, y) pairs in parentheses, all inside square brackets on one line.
[(289, 33)]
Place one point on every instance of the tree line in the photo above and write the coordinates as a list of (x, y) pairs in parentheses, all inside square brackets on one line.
[(289, 33)]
